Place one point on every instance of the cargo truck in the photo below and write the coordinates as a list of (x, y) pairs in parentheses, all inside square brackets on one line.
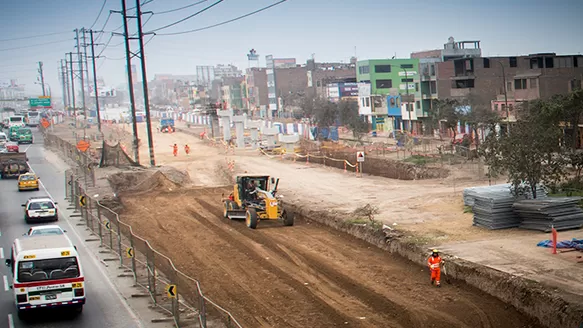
[(13, 164)]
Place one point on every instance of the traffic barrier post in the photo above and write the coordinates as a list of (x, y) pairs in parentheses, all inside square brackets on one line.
[(119, 243), (133, 258), (100, 225)]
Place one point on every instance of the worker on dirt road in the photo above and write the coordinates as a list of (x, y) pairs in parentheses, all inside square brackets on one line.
[(186, 149), (434, 262), (175, 150)]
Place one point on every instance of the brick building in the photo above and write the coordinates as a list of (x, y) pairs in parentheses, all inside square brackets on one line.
[(256, 83), (522, 78)]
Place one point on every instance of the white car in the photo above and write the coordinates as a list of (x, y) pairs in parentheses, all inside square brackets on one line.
[(3, 138), (40, 209), (44, 230)]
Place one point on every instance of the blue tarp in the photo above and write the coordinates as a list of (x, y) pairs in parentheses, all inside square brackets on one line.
[(573, 243)]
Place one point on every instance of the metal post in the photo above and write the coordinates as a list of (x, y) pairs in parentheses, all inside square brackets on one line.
[(73, 87), (81, 77), (76, 198), (145, 83), (95, 82), (202, 310), (149, 272), (154, 276), (42, 77), (119, 243), (505, 99), (85, 169), (133, 259), (99, 223), (130, 81), (110, 236)]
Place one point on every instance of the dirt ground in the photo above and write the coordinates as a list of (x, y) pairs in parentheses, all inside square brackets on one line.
[(302, 276)]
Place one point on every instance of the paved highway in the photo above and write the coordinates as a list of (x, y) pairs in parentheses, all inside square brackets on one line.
[(104, 307)]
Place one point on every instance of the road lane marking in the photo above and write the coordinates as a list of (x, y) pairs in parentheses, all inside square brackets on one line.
[(27, 148), (1, 253), (6, 288), (10, 321), (129, 310)]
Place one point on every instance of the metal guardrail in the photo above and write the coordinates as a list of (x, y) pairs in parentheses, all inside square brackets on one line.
[(150, 269)]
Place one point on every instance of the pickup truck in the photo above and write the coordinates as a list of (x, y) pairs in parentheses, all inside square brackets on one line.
[(13, 164)]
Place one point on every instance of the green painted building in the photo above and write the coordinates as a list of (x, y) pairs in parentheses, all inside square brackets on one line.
[(393, 79)]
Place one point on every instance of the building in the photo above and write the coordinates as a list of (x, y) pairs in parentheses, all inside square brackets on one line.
[(322, 74), (225, 71), (256, 83), (336, 92), (231, 94), (392, 77), (502, 83)]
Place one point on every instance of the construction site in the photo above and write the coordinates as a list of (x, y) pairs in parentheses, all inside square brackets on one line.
[(337, 266)]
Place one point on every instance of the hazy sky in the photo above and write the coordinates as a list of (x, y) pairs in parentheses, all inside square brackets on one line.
[(330, 29)]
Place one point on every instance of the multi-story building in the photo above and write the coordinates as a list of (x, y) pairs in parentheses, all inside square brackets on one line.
[(225, 71), (322, 74), (231, 94), (392, 77), (502, 83), (256, 83)]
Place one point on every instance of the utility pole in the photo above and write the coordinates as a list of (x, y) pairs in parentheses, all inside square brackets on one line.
[(73, 86), (145, 83), (62, 80), (130, 80), (505, 99), (42, 77), (81, 70), (95, 81), (66, 81), (407, 105)]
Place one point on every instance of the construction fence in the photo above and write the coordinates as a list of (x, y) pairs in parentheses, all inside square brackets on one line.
[(173, 292)]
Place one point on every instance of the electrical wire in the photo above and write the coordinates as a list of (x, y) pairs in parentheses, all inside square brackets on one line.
[(34, 36), (188, 17), (35, 45), (177, 9), (99, 15), (225, 22), (106, 45)]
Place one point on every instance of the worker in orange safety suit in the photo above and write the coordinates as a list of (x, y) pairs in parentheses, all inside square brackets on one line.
[(434, 262), (175, 150), (186, 149)]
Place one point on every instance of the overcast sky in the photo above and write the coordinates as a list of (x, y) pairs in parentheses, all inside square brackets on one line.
[(332, 30)]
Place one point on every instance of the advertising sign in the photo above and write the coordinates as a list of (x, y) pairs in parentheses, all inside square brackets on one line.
[(252, 55), (348, 89), (394, 105), (284, 62), (364, 89), (409, 73), (403, 86)]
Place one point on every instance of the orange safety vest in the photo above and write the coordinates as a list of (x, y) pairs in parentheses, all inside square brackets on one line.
[(434, 262)]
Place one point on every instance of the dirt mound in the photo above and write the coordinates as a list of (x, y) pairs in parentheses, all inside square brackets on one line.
[(141, 181)]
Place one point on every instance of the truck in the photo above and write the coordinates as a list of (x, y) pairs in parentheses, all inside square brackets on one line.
[(12, 165), (166, 125)]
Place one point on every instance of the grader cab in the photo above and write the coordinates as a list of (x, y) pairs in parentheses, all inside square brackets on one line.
[(253, 199)]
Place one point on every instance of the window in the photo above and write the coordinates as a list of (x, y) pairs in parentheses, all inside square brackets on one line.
[(513, 61), (363, 69), (510, 107), (406, 66), (495, 107), (367, 102), (318, 84), (382, 68), (384, 84), (486, 62), (49, 269), (463, 84), (503, 107), (549, 62), (363, 105), (418, 104), (433, 87), (406, 80), (575, 84), (533, 83), (508, 86), (564, 62), (520, 84), (432, 67), (416, 87)]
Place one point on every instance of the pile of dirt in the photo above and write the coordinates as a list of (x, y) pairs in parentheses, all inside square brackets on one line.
[(145, 180)]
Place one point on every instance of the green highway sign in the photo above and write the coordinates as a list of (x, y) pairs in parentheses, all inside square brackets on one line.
[(39, 102)]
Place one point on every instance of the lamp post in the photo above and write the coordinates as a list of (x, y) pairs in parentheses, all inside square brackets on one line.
[(505, 99)]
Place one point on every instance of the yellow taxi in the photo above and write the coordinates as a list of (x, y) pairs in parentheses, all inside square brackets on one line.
[(28, 181)]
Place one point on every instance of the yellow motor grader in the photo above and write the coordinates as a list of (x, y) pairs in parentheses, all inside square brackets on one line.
[(253, 199)]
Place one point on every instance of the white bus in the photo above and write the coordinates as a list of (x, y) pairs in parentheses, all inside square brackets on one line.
[(46, 273), (33, 118), (16, 121)]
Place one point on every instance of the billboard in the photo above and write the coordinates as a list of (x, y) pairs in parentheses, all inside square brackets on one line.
[(394, 105), (252, 55), (284, 62), (348, 89)]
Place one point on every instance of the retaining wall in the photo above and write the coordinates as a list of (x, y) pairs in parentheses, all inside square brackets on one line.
[(551, 307)]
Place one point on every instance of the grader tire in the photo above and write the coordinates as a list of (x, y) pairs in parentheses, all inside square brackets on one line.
[(288, 218), (251, 218)]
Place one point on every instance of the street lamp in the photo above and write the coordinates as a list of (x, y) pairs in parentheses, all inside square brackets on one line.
[(48, 87), (505, 99)]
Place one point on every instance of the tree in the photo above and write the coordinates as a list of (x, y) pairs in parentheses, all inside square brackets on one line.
[(480, 116), (531, 153), (325, 113), (571, 108), (348, 113), (448, 111)]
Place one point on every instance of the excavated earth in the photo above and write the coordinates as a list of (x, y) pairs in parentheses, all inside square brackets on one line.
[(308, 275)]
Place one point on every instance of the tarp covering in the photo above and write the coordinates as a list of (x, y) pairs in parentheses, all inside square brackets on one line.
[(573, 243), (115, 156)]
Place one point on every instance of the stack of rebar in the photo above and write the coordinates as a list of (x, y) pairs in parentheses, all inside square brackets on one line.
[(562, 213)]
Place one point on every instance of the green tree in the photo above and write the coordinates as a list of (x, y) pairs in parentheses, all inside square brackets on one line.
[(348, 114), (480, 116), (531, 153), (448, 111)]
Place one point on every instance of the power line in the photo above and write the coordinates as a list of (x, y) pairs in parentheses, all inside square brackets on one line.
[(177, 9), (34, 36), (99, 15), (36, 45), (188, 17), (225, 22), (106, 45)]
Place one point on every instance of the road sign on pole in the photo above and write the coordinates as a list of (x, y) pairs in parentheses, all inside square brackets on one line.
[(39, 102), (107, 225), (130, 252), (360, 156), (171, 291), (82, 200)]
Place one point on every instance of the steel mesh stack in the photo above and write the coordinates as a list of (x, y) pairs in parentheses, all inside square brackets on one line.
[(470, 194), (562, 213)]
